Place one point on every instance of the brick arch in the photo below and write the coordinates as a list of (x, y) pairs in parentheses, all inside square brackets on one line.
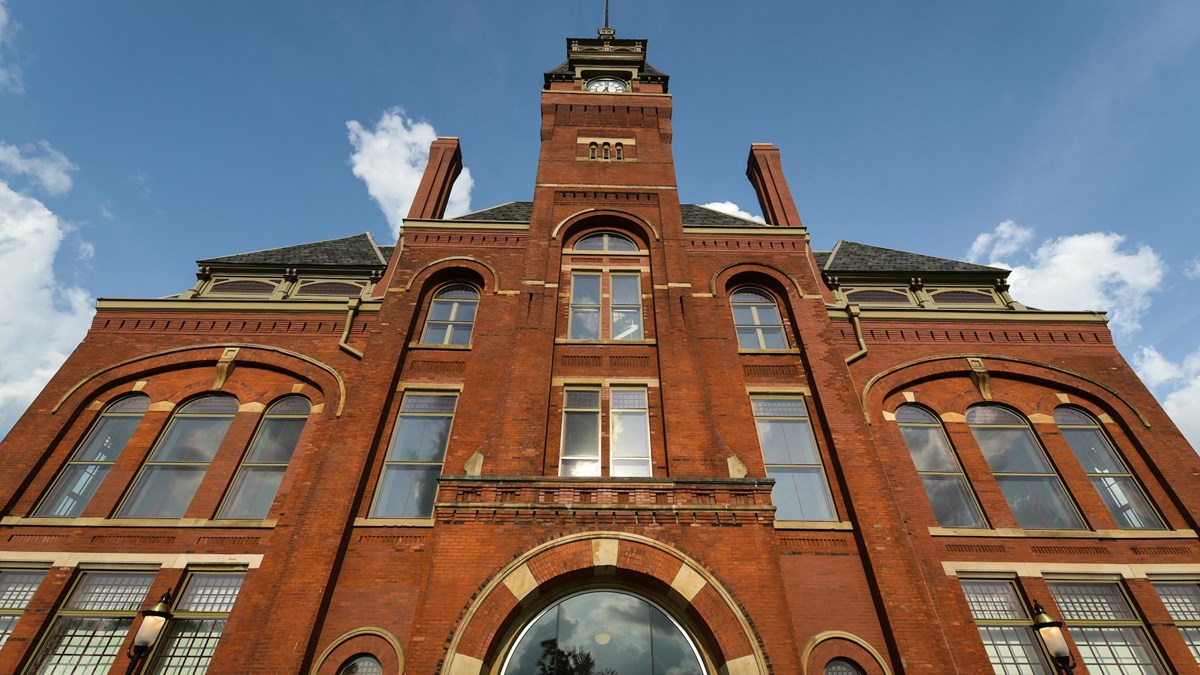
[(123, 376), (736, 274), (829, 645), (886, 384), (378, 642), (441, 271), (692, 590), (623, 221)]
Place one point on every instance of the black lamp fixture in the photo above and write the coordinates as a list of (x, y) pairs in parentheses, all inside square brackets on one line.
[(1052, 636), (153, 622)]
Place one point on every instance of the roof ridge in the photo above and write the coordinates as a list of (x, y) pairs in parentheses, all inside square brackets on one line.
[(276, 248), (833, 254)]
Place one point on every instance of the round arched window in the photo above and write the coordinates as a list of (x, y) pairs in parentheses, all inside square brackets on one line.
[(363, 664), (607, 632), (842, 667), (605, 241)]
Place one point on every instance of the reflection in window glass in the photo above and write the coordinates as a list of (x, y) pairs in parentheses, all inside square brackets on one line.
[(630, 433), (408, 485), (17, 587), (581, 433), (93, 458), (262, 470), (603, 633), (451, 316), (626, 306), (1005, 628), (605, 241), (790, 453), (756, 320), (1118, 488), (89, 629), (585, 306), (1109, 635), (842, 667), (171, 476), (1030, 485), (1182, 601), (363, 664), (198, 620), (949, 493)]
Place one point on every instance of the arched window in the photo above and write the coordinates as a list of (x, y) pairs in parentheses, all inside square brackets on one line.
[(170, 477), (451, 315), (262, 469), (620, 147), (592, 150), (842, 667), (1030, 484), (607, 151), (363, 664), (945, 484), (756, 319), (605, 241), (1118, 489), (610, 632), (90, 462)]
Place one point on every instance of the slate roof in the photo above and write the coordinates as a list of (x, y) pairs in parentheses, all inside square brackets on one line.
[(512, 212), (850, 256), (358, 250), (694, 214)]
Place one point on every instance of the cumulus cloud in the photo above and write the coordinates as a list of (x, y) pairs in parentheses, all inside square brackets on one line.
[(1092, 271), (43, 318), (390, 158), (49, 168), (733, 210), (10, 75), (1177, 385)]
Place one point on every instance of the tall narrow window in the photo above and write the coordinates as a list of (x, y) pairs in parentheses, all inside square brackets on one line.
[(945, 484), (90, 462), (16, 590), (1109, 635), (626, 306), (1030, 485), (171, 476), (585, 306), (630, 434), (581, 433), (607, 151), (451, 316), (1005, 628), (90, 627), (592, 150), (197, 623), (790, 453), (263, 467), (756, 319), (620, 148), (409, 483), (1183, 604), (1118, 489)]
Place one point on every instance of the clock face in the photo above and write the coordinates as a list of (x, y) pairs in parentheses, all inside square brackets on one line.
[(607, 85)]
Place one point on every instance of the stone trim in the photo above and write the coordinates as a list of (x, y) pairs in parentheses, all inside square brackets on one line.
[(1043, 569), (162, 560)]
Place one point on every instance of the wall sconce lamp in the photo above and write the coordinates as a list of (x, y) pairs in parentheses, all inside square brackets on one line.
[(1052, 636), (153, 622)]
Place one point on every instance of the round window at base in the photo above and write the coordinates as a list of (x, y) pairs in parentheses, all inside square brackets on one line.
[(608, 632), (842, 667), (362, 664)]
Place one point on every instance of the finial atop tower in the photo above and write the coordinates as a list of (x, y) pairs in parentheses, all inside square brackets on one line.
[(606, 33)]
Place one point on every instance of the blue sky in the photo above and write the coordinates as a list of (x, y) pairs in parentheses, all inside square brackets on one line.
[(1058, 138)]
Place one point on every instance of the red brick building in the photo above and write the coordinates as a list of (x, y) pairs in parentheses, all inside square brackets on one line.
[(597, 432)]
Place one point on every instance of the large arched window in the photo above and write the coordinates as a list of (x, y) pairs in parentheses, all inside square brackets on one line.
[(1029, 483), (90, 462), (945, 484), (262, 469), (603, 632), (756, 319), (1118, 489), (451, 316), (605, 241), (172, 474)]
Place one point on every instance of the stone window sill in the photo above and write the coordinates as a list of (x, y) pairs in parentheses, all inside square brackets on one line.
[(813, 525), (138, 522), (1064, 534), (393, 522)]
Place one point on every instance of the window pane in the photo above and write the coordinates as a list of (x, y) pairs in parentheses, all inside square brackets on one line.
[(536, 650), (631, 467), (1092, 602), (460, 334), (772, 338), (800, 494), (419, 438), (627, 323), (1038, 502), (111, 592), (252, 493), (929, 449), (993, 600), (107, 440), (83, 645), (1126, 502), (1013, 650), (1181, 600), (743, 315), (441, 310), (751, 295), (766, 315), (214, 404), (429, 403), (592, 242), (672, 653), (581, 434), (1093, 451), (18, 586), (841, 667), (609, 631), (362, 665), (581, 467), (163, 492), (465, 311), (189, 646), (1116, 649), (192, 439), (276, 441), (748, 338), (1011, 450), (139, 403), (290, 405), (952, 502), (913, 414), (585, 324), (626, 289), (435, 333), (211, 593), (992, 414), (73, 490), (585, 289), (407, 491), (787, 442), (1191, 635)]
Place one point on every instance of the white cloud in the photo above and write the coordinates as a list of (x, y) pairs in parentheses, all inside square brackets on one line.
[(43, 318), (48, 167), (733, 210), (1193, 269), (10, 75), (1177, 385), (390, 159), (1005, 240), (1092, 271)]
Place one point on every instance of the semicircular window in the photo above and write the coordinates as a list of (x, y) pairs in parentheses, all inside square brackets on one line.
[(603, 633), (605, 241), (243, 287), (363, 664), (842, 667), (334, 288)]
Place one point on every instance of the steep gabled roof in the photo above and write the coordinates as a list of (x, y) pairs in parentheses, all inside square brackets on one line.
[(850, 256), (358, 250), (702, 216)]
